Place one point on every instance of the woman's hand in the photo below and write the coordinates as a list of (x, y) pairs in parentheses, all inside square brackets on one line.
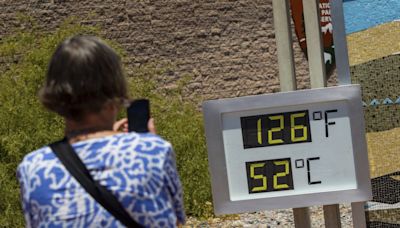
[(151, 126), (122, 125)]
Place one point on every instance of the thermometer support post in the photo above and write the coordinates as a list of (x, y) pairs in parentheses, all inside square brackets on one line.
[(287, 75)]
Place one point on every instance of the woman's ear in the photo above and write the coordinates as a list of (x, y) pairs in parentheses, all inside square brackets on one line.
[(111, 109)]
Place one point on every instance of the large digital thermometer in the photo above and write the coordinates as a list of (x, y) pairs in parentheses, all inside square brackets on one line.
[(287, 150)]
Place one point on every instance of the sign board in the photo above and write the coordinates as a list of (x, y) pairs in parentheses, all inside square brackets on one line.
[(287, 150), (326, 30)]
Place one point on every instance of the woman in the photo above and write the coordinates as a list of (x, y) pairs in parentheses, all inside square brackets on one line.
[(86, 86)]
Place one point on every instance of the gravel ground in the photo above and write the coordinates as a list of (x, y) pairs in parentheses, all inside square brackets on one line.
[(271, 219)]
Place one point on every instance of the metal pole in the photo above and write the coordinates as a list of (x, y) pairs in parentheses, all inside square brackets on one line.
[(287, 76), (318, 79), (314, 43), (339, 39), (284, 43), (344, 78)]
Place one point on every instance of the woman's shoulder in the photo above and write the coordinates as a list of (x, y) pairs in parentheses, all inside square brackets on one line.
[(130, 138), (43, 155), (143, 143), (152, 139)]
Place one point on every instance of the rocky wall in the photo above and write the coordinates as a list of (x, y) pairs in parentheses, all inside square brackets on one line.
[(227, 47)]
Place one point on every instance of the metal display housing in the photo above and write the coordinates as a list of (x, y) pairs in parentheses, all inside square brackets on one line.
[(213, 111)]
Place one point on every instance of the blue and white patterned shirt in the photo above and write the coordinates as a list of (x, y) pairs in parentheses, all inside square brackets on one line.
[(139, 169)]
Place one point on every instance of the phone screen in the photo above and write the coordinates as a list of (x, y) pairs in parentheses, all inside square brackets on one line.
[(139, 115)]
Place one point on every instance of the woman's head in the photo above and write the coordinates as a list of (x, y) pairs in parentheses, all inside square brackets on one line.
[(84, 74)]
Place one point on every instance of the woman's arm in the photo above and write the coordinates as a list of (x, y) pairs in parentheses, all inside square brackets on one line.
[(174, 186), (22, 179), (122, 125)]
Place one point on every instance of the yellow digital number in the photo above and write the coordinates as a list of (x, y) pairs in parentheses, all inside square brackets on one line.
[(281, 174), (258, 176), (295, 127), (259, 135), (275, 129)]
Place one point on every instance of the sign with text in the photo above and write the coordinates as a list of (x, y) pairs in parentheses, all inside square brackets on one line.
[(326, 29), (287, 150)]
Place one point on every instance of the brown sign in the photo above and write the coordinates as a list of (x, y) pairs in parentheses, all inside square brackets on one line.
[(326, 28)]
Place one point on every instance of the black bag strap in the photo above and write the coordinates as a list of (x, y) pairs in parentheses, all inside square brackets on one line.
[(66, 154)]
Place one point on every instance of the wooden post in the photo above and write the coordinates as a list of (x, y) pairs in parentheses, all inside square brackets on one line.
[(302, 217), (332, 216), (357, 210)]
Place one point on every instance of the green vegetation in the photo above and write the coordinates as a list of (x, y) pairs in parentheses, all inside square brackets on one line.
[(180, 123), (26, 126)]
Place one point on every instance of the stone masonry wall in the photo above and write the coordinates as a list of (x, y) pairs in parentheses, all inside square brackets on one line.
[(379, 80), (228, 47)]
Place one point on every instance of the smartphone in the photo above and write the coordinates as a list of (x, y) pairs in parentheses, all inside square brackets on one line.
[(139, 115)]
